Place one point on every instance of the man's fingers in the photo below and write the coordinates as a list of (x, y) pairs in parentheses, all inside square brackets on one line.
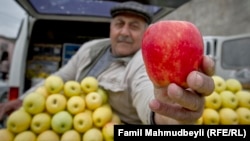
[(174, 111), (186, 98), (200, 83), (208, 65)]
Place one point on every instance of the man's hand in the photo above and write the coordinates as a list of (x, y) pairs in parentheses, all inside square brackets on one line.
[(175, 105), (8, 107)]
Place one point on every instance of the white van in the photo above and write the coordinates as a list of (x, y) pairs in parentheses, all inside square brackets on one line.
[(231, 55), (53, 30)]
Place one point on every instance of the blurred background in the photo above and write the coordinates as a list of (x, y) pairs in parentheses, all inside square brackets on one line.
[(216, 17)]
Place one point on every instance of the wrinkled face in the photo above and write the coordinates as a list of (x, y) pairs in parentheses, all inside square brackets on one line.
[(126, 32)]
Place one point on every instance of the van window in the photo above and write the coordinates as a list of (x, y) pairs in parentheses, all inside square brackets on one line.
[(6, 53), (236, 54)]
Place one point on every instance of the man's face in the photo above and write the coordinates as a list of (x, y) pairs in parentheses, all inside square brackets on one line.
[(126, 32)]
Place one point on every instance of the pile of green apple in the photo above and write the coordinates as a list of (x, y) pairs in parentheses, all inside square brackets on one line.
[(63, 111), (229, 104)]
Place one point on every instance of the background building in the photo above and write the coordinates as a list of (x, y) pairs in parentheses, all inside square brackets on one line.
[(216, 17)]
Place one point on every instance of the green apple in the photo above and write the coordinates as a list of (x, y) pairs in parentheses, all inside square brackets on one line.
[(34, 103), (83, 121), (102, 115), (93, 134), (62, 122), (213, 101), (71, 135), (244, 115), (72, 88), (244, 98), (6, 135), (48, 135), (89, 84), (93, 100), (25, 136), (18, 121), (56, 103), (228, 116), (219, 83), (40, 122), (104, 94), (210, 117), (233, 85), (108, 131), (54, 84), (75, 104), (229, 99)]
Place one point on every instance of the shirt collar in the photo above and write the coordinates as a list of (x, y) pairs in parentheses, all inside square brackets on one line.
[(125, 59)]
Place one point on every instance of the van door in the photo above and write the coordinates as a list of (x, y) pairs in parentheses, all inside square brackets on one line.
[(233, 58)]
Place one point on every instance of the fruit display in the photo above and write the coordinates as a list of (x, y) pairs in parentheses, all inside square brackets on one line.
[(229, 104), (63, 111)]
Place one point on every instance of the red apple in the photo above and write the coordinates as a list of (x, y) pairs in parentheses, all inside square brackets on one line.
[(171, 50)]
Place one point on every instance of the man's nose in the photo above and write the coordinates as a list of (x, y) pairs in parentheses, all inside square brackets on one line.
[(125, 30)]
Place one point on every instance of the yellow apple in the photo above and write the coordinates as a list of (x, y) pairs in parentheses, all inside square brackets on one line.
[(42, 90), (75, 104), (229, 99), (108, 131), (18, 121), (6, 135), (25, 136), (34, 103), (40, 122), (233, 85), (48, 135), (93, 134), (199, 121), (83, 121), (56, 103), (71, 135), (102, 115), (228, 116), (54, 84), (88, 111), (244, 115), (89, 84), (62, 122), (21, 108), (72, 88), (104, 95), (213, 101), (83, 96), (210, 117), (115, 118), (93, 100), (244, 98), (219, 83)]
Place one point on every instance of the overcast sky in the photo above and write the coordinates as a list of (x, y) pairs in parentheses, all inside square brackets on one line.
[(11, 15)]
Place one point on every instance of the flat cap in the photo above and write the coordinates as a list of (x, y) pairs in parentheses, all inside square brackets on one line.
[(134, 8)]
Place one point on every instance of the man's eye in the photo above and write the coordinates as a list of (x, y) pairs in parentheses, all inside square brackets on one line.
[(134, 26), (119, 24)]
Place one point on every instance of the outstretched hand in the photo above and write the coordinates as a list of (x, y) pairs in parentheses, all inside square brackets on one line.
[(175, 105)]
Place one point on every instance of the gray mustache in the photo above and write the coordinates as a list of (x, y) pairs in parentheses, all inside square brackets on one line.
[(125, 39)]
